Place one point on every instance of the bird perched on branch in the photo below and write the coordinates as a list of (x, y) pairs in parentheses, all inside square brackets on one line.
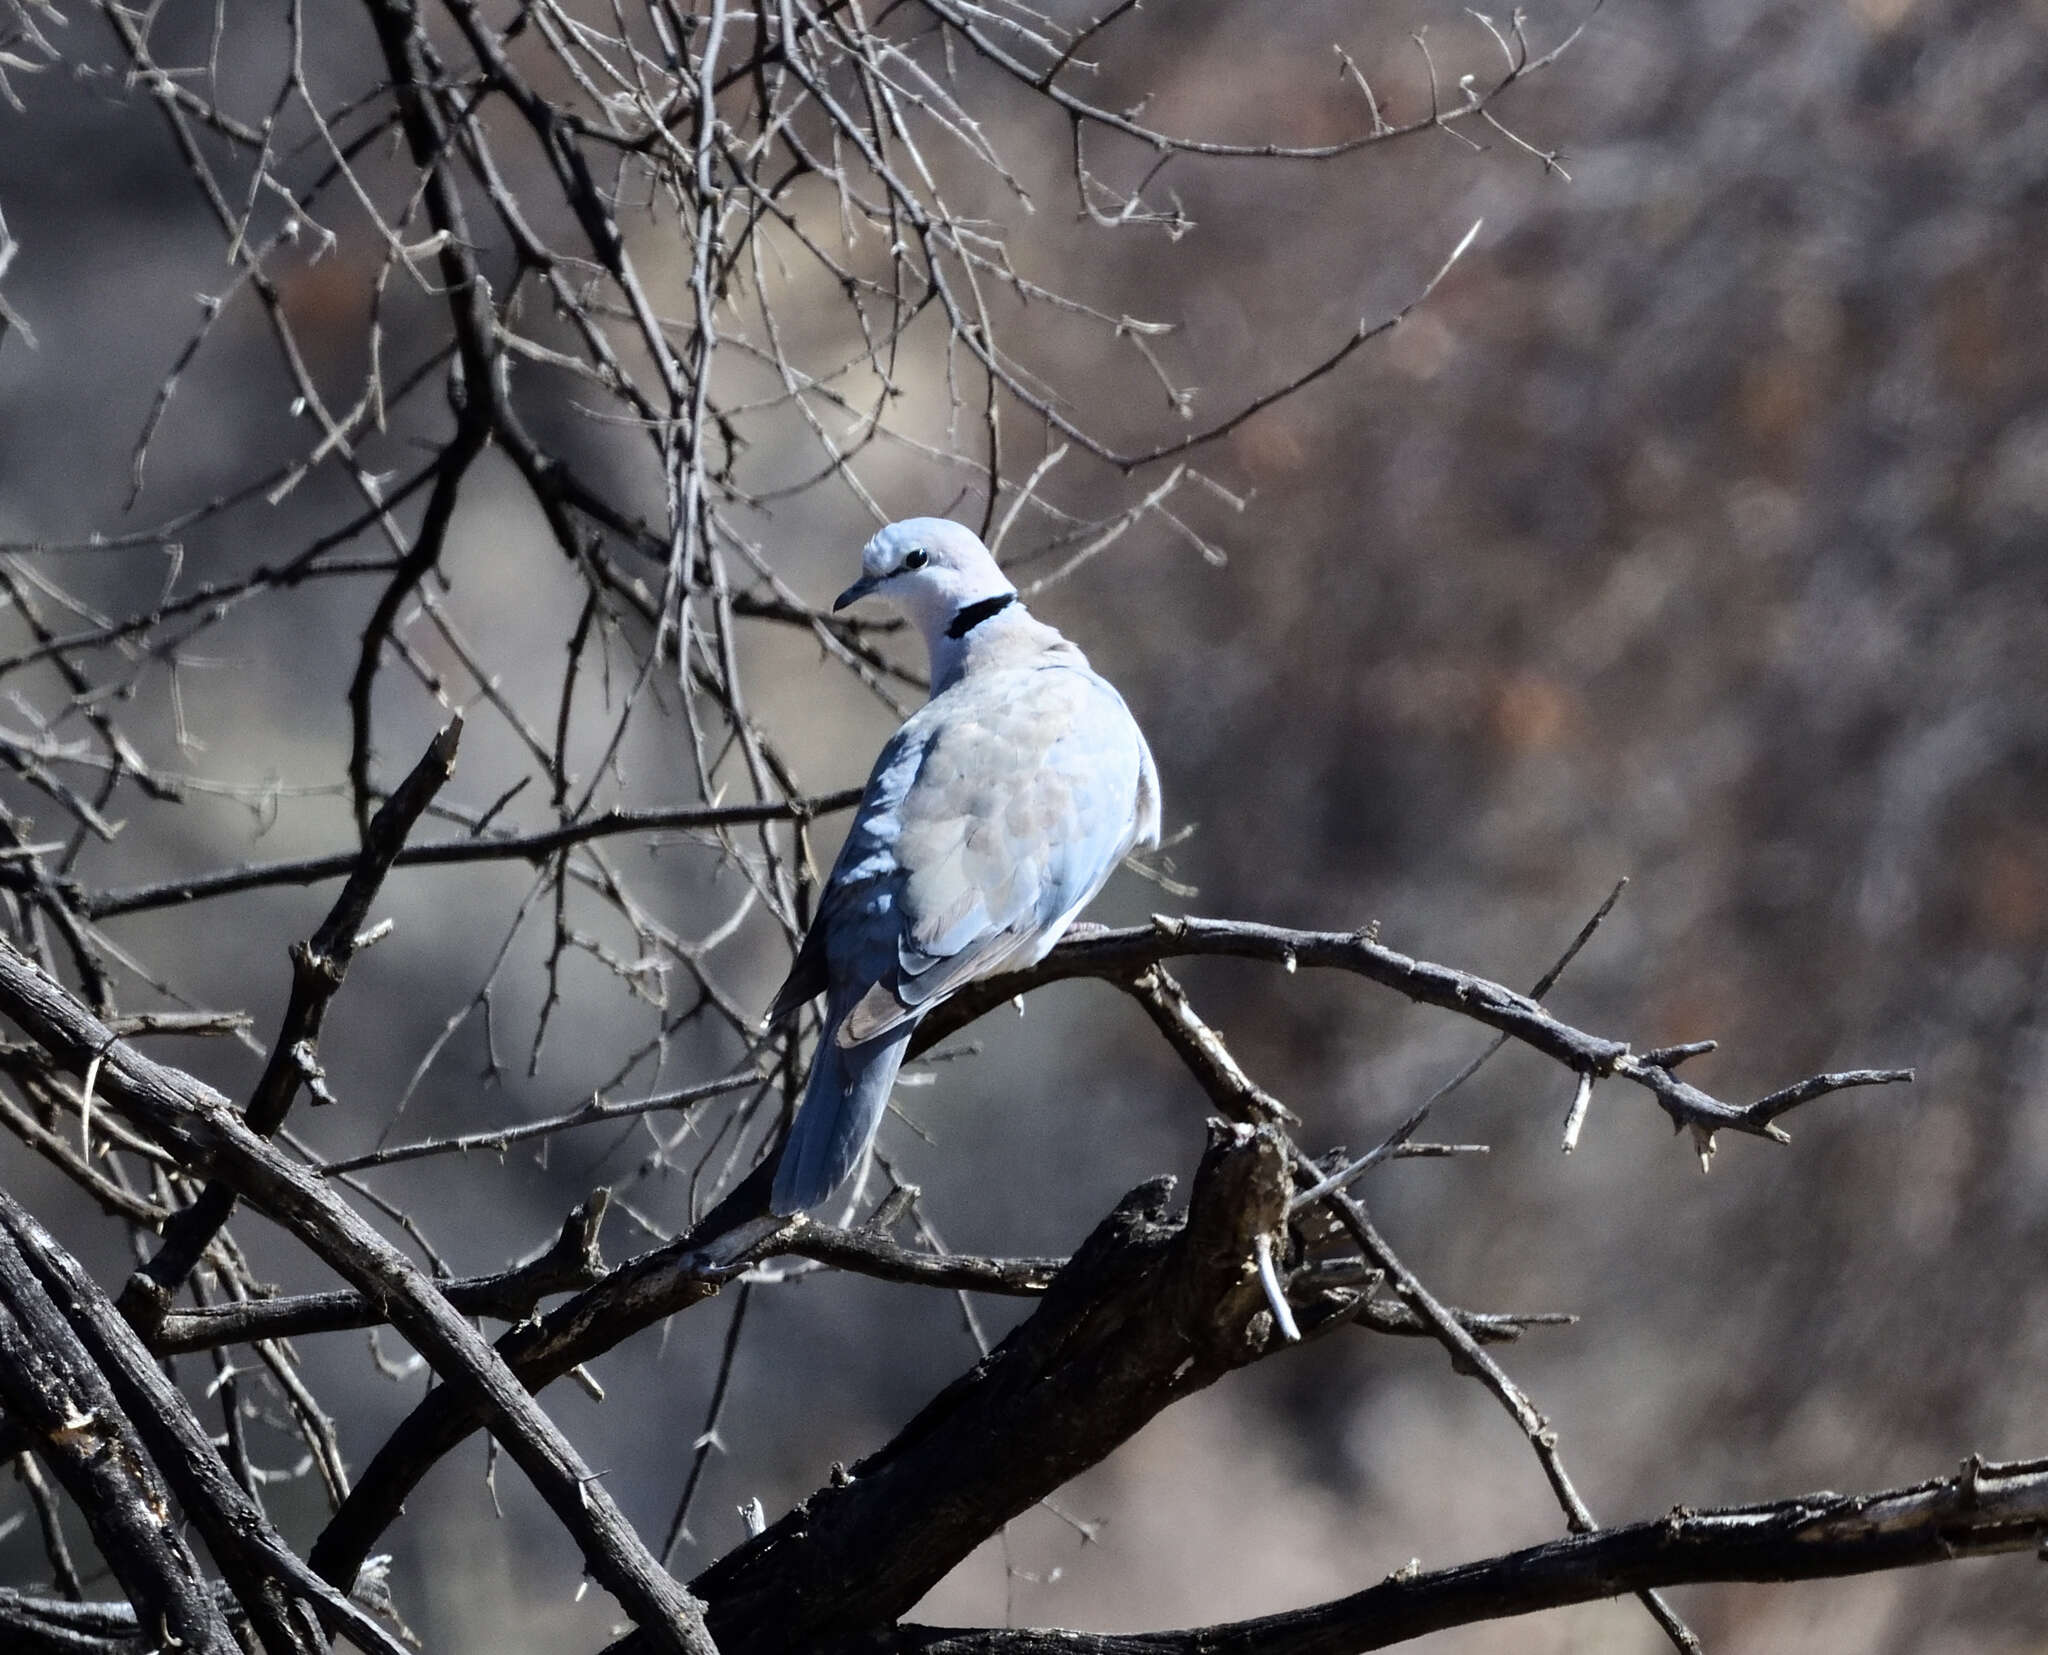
[(992, 818)]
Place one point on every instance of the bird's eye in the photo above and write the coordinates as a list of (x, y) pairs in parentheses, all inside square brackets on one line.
[(916, 558)]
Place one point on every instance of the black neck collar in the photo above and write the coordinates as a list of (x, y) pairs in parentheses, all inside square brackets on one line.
[(975, 613)]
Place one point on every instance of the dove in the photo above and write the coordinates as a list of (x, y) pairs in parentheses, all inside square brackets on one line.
[(991, 819)]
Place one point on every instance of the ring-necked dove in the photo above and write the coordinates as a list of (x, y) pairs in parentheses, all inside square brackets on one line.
[(992, 818)]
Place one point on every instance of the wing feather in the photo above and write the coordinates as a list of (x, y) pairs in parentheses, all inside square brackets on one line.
[(994, 816)]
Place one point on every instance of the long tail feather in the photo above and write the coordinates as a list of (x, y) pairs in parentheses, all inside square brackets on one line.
[(842, 1107)]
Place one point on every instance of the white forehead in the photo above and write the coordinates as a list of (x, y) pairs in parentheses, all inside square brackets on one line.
[(944, 540)]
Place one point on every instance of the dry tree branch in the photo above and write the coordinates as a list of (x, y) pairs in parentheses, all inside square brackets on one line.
[(1209, 1061), (521, 847), (319, 968), (692, 1268), (1124, 955), (632, 1297), (1984, 1510), (1381, 132), (55, 1391), (1148, 1311), (801, 169), (198, 1125), (574, 1263), (265, 1575), (49, 1518)]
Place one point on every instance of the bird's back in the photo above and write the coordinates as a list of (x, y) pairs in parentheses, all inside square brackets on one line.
[(991, 819), (995, 813)]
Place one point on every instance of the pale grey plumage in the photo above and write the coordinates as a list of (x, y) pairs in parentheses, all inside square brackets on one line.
[(992, 817)]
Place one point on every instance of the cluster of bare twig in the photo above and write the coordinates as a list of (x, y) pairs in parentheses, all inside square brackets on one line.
[(831, 195), (802, 164)]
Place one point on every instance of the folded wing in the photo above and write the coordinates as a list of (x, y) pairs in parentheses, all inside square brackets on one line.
[(991, 819), (1024, 801)]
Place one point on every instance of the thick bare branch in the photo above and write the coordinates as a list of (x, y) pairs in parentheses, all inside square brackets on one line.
[(1983, 1510), (272, 1585), (54, 1390), (1149, 1310), (633, 1297), (198, 1123)]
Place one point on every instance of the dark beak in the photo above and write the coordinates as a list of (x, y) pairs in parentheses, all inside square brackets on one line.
[(854, 593)]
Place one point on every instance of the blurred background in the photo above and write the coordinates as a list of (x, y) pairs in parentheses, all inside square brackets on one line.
[(1692, 531)]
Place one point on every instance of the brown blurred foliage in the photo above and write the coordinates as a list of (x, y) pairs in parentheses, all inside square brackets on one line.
[(1692, 531)]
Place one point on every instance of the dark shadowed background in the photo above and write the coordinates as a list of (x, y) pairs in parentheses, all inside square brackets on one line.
[(1692, 531)]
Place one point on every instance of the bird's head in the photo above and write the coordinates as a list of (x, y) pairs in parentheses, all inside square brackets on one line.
[(930, 569)]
